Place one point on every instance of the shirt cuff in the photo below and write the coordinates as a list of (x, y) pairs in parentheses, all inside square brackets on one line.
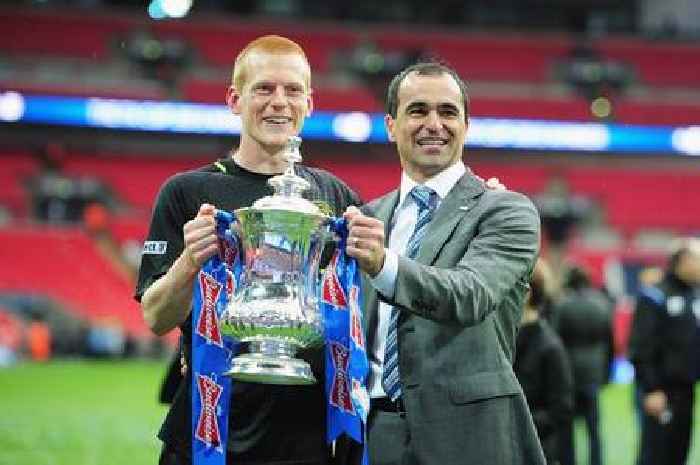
[(385, 281)]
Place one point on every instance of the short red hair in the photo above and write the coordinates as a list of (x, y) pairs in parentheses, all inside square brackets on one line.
[(272, 45)]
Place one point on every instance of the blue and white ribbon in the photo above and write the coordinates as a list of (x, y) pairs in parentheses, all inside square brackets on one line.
[(211, 350), (346, 355)]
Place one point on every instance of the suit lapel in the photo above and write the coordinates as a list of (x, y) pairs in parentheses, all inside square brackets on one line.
[(458, 202)]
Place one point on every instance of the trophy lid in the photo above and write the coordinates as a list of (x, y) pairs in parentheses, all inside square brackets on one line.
[(288, 186)]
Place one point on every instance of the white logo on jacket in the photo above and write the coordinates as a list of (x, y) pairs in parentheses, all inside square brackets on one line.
[(155, 247), (696, 310), (674, 305)]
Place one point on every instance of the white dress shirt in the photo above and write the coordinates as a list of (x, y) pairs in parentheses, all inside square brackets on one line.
[(403, 222)]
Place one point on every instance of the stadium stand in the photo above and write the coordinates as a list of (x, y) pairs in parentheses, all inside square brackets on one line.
[(136, 179), (16, 169), (64, 264), (666, 90)]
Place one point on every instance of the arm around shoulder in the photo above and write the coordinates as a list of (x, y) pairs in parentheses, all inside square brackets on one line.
[(496, 259)]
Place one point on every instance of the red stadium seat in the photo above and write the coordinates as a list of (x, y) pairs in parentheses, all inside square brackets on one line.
[(136, 180), (65, 265), (17, 169), (485, 57), (56, 34), (657, 63)]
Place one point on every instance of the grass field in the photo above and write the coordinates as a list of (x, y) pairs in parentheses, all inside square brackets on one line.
[(80, 413), (105, 413)]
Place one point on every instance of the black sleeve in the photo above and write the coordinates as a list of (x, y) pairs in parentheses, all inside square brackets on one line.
[(164, 242), (644, 343), (344, 196), (610, 346), (559, 392), (330, 189), (352, 197)]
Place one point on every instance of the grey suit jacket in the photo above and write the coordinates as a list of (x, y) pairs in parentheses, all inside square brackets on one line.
[(461, 301)]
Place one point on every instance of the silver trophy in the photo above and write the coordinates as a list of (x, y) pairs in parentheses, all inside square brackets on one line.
[(275, 307)]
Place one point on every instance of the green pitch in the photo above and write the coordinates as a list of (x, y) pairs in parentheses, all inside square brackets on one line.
[(106, 413), (80, 413), (619, 429)]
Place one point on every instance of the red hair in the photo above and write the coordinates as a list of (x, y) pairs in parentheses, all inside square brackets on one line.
[(271, 45)]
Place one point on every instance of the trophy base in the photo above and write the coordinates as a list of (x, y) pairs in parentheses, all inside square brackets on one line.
[(257, 368), (271, 362)]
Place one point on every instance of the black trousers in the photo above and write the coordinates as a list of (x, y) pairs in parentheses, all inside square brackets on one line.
[(669, 443), (169, 456), (388, 438), (586, 406)]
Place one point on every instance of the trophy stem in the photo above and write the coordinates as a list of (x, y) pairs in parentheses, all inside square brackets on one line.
[(273, 348), (271, 361)]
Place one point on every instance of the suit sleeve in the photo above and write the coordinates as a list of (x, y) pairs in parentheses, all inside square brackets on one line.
[(498, 258), (643, 345)]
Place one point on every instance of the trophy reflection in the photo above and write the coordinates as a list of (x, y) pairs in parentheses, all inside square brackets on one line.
[(275, 307)]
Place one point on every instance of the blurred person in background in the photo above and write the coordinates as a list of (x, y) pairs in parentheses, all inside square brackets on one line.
[(271, 93), (543, 369), (583, 319), (561, 213), (11, 337), (665, 351), (39, 339), (58, 196), (648, 277)]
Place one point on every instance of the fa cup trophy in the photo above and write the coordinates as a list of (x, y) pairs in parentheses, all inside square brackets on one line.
[(275, 307)]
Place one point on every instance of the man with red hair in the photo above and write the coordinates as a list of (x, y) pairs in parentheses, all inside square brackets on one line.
[(271, 94)]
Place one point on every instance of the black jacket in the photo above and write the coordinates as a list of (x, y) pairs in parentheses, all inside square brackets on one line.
[(543, 369), (583, 319), (665, 337)]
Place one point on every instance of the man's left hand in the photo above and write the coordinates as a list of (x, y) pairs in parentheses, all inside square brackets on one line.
[(365, 241), (493, 184)]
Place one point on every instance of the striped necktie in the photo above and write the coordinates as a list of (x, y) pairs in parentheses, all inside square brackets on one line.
[(426, 199)]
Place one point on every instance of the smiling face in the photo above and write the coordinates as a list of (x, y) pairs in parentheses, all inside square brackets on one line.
[(272, 101), (430, 124)]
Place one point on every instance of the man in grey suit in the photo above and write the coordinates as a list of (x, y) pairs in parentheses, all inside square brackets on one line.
[(444, 294)]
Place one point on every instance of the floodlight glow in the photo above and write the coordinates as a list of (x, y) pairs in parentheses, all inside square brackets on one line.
[(11, 106), (547, 135), (601, 107), (195, 118), (176, 8), (686, 140), (353, 127), (161, 116), (155, 10)]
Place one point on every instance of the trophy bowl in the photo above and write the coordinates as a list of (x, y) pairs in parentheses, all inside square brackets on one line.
[(274, 309)]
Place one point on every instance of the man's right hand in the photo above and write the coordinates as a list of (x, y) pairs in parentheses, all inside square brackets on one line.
[(365, 240), (200, 238), (166, 303)]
